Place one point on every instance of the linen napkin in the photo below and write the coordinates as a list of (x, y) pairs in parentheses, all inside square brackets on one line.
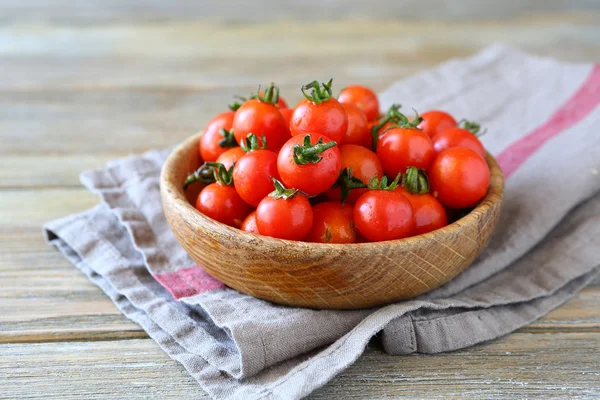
[(542, 118)]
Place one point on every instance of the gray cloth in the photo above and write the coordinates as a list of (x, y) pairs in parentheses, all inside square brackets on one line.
[(540, 116)]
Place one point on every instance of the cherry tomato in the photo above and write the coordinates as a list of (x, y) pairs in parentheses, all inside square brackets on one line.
[(435, 122), (457, 137), (399, 148), (384, 215), (459, 177), (327, 118), (252, 175), (210, 148), (332, 223), (362, 97), (429, 213), (358, 131), (222, 203), (364, 164), (287, 114), (261, 118), (249, 224), (321, 168), (231, 156), (284, 218)]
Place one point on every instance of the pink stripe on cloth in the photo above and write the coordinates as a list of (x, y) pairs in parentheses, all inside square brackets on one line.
[(188, 282), (574, 110)]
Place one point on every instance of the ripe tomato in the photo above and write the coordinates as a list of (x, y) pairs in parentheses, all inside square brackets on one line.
[(332, 223), (287, 114), (214, 141), (222, 203), (399, 148), (261, 118), (364, 164), (459, 177), (231, 156), (310, 163), (249, 224), (284, 214), (252, 175), (384, 215), (457, 137), (362, 97), (358, 131), (429, 213), (319, 113), (435, 122)]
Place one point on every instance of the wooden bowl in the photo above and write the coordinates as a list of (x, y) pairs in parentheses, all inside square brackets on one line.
[(339, 276)]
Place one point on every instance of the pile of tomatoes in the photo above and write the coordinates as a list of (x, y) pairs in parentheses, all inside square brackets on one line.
[(336, 170)]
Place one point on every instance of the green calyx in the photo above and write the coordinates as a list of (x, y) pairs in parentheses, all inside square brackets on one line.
[(281, 192), (415, 181), (252, 143), (228, 138), (237, 103), (205, 174), (309, 153), (319, 92), (346, 182), (472, 127), (222, 175), (394, 117), (270, 96), (382, 184)]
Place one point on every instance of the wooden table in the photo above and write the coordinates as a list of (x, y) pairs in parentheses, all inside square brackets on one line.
[(85, 82)]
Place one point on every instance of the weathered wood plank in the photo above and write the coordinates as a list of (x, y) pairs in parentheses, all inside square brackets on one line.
[(521, 365), (240, 11), (208, 54)]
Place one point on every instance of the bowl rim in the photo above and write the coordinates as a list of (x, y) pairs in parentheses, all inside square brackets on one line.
[(170, 188)]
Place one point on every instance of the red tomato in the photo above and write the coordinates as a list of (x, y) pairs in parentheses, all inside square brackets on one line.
[(252, 175), (358, 131), (231, 156), (364, 164), (210, 142), (459, 177), (287, 114), (327, 118), (362, 97), (321, 168), (284, 218), (435, 122), (222, 203), (249, 224), (384, 215), (399, 148), (429, 213), (261, 118), (332, 223), (457, 137)]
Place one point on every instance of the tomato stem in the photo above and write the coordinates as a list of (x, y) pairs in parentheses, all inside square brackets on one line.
[(347, 182), (472, 127), (281, 192), (309, 153), (251, 143), (228, 138), (222, 175), (382, 184), (395, 118), (237, 104), (318, 94), (415, 181), (270, 96), (204, 174)]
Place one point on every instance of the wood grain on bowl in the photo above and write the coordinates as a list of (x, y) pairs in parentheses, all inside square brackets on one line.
[(342, 276)]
